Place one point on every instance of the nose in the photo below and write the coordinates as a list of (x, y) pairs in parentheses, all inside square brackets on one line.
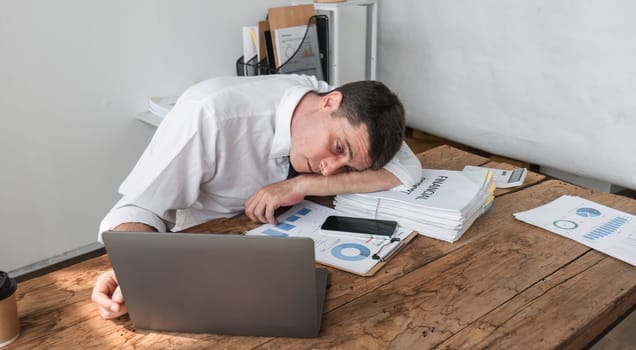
[(332, 165)]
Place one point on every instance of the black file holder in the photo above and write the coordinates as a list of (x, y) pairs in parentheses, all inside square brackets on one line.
[(267, 66)]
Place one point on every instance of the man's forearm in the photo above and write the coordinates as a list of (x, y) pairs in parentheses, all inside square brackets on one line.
[(351, 182), (261, 206)]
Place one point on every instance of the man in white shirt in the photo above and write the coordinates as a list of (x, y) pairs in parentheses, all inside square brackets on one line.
[(227, 146)]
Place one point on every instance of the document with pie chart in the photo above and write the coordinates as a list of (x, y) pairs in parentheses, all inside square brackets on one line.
[(350, 254), (605, 229)]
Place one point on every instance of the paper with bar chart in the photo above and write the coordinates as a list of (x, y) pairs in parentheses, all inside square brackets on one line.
[(346, 253), (605, 229)]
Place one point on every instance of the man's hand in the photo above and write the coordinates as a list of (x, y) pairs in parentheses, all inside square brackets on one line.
[(106, 292), (108, 297), (260, 207)]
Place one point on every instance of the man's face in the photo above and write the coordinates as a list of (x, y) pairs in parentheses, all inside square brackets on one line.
[(329, 145)]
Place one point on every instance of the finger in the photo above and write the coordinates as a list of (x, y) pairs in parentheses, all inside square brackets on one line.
[(112, 275), (252, 208), (117, 310), (102, 283), (269, 214), (105, 313), (109, 314), (249, 207), (118, 296), (122, 310), (250, 213), (102, 300), (248, 204), (258, 212), (101, 292)]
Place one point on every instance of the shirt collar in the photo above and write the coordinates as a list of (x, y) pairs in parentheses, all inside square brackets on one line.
[(281, 144)]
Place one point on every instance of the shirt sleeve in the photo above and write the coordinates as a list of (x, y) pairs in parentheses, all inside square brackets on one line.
[(406, 167), (168, 175), (131, 213)]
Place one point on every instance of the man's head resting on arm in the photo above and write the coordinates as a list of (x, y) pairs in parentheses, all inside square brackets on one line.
[(356, 126)]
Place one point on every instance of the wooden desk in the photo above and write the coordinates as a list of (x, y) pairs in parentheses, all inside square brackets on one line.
[(504, 285)]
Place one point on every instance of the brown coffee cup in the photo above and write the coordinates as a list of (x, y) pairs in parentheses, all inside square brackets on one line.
[(9, 321)]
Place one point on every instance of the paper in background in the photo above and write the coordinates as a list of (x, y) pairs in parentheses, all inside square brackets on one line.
[(605, 229)]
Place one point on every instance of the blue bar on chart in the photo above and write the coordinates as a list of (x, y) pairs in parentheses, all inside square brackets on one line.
[(304, 211), (606, 229), (292, 218), (285, 226), (274, 233)]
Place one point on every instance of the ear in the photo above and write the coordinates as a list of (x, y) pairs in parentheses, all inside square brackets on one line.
[(331, 101)]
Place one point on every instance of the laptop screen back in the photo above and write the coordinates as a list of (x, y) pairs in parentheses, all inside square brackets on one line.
[(219, 283)]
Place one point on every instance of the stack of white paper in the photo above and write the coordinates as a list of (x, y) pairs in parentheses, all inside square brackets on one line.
[(160, 106), (442, 205)]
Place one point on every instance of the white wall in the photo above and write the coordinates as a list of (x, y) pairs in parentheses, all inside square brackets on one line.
[(549, 82), (73, 75)]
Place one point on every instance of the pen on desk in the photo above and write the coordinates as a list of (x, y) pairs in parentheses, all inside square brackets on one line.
[(387, 250)]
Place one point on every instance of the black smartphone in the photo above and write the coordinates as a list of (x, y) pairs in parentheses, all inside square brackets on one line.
[(374, 227)]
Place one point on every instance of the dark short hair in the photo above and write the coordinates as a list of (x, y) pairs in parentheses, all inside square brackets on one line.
[(375, 105)]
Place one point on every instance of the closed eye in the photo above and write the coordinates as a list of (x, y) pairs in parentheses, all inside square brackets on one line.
[(339, 148)]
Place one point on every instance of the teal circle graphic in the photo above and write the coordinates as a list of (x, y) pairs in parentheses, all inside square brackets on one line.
[(363, 252), (565, 224)]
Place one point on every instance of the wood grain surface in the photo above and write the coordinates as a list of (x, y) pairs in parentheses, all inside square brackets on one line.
[(505, 284)]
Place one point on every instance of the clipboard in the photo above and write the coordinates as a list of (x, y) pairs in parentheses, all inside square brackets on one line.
[(353, 255), (380, 262)]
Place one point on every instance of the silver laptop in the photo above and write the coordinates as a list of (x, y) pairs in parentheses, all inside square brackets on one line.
[(219, 283)]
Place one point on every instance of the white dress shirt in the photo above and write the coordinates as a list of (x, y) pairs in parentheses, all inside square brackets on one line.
[(223, 140)]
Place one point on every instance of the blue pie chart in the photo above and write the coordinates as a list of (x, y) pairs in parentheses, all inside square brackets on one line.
[(587, 212), (344, 251)]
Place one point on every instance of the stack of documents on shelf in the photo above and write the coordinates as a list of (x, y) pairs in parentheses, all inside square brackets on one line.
[(160, 106), (442, 205), (605, 229)]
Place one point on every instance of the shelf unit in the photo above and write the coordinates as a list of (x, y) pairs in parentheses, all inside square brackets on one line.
[(334, 12)]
